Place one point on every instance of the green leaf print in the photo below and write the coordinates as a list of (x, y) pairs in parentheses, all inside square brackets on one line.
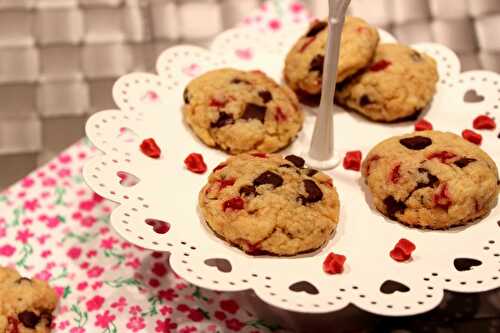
[(153, 306), (18, 212), (82, 238), (81, 316), (120, 282), (260, 324), (3, 198), (59, 193), (26, 252), (67, 292), (111, 328), (62, 275), (278, 6), (197, 293), (119, 257)]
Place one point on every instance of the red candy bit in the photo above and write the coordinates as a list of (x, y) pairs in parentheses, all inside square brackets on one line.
[(261, 155), (329, 182), (225, 183), (395, 175), (484, 122), (361, 29), (423, 125), (402, 250), (280, 116), (369, 163), (472, 136), (150, 148), (441, 197), (307, 43), (443, 156), (352, 160), (194, 162), (236, 203), (334, 263), (220, 167), (216, 103), (380, 65)]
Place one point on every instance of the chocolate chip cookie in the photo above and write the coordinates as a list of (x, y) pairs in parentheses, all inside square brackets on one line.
[(431, 179), (398, 85), (240, 111), (304, 62), (266, 204), (25, 305)]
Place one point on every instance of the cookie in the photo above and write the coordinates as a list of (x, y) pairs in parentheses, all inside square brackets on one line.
[(304, 62), (240, 111), (269, 204), (431, 179), (25, 305), (398, 85)]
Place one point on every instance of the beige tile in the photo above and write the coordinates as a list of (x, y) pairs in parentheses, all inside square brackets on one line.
[(59, 133), (15, 167), (18, 98), (19, 133)]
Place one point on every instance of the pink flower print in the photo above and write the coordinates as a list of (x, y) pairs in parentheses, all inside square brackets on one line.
[(188, 329), (84, 265), (27, 221), (95, 303), (42, 217), (45, 194), (296, 7), (165, 326), (31, 205), (166, 310), (88, 221), (3, 232), (82, 155), (181, 286), (126, 245), (274, 24), (91, 253), (136, 324), (135, 310), (120, 304), (64, 172), (59, 291), (263, 7), (46, 254), (159, 269), (82, 286), (212, 328), (95, 272), (24, 235), (63, 324), (108, 243), (49, 182), (81, 192), (77, 330), (76, 216), (44, 275), (64, 158), (103, 320), (135, 263), (97, 198), (229, 306), (74, 252), (234, 324), (43, 238), (7, 250), (103, 230), (87, 205), (97, 285), (21, 194), (53, 222), (40, 174), (2, 221), (27, 182), (167, 295)]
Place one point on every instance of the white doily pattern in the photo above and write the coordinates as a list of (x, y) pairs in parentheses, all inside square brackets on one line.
[(160, 211)]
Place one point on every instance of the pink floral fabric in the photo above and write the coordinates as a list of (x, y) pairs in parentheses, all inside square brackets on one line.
[(54, 228)]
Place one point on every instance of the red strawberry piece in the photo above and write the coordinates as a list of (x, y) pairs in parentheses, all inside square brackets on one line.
[(261, 155), (225, 183), (380, 65), (329, 182), (194, 162), (443, 156), (395, 174), (279, 116), (369, 163), (352, 160), (217, 103), (441, 197), (423, 125), (150, 148), (236, 203), (402, 250), (472, 136), (220, 167), (334, 263), (484, 122)]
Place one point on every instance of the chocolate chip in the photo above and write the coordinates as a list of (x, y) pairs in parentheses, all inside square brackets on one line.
[(223, 120), (416, 56), (394, 206), (311, 172), (265, 95), (29, 319), (248, 190), (314, 193), (431, 179), (268, 177), (296, 160), (317, 64), (238, 81), (416, 142), (185, 95), (464, 161), (48, 318), (20, 280), (316, 28), (254, 111), (286, 166), (364, 100)]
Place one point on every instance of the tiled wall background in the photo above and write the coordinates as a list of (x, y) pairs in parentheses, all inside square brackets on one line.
[(59, 58)]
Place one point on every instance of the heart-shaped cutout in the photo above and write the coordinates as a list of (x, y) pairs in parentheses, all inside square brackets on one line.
[(127, 179), (305, 287), (244, 54), (465, 264), (150, 96), (192, 70), (223, 265), (391, 286), (159, 226), (471, 96)]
